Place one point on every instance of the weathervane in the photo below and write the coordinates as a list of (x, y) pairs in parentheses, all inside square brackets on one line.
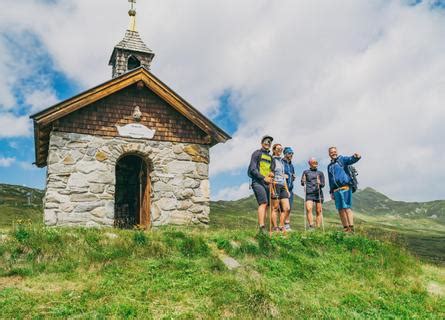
[(132, 14)]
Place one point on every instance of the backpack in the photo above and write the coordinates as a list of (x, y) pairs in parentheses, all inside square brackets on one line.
[(352, 172)]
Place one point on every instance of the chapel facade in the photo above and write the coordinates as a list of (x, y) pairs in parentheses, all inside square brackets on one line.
[(128, 152)]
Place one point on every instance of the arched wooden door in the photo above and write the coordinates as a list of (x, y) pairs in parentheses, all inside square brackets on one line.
[(132, 193)]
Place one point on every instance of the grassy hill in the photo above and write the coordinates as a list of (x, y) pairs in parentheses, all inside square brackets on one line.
[(181, 272), (14, 204), (403, 222)]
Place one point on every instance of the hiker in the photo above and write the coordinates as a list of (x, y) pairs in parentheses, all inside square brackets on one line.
[(313, 181), (260, 171), (340, 186), (280, 191), (289, 171)]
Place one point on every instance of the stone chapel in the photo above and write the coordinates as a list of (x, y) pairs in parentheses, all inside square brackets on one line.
[(128, 152)]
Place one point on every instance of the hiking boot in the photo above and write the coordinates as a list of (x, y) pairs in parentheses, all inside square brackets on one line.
[(287, 227), (262, 230), (276, 229)]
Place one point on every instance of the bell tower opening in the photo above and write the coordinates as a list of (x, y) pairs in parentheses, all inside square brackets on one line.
[(133, 63), (132, 194)]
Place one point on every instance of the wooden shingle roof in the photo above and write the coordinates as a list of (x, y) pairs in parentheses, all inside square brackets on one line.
[(43, 120)]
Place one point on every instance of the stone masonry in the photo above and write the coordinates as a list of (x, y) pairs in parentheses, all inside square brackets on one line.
[(81, 180)]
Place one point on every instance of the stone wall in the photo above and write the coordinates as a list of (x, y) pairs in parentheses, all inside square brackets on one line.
[(81, 180)]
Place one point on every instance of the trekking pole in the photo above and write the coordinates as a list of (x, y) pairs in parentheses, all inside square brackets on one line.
[(304, 205), (321, 204), (270, 208)]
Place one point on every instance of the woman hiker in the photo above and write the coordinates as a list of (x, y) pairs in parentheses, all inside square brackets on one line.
[(280, 191), (313, 181)]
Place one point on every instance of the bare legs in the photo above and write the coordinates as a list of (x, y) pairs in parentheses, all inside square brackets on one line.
[(310, 219), (285, 209), (347, 218), (262, 213)]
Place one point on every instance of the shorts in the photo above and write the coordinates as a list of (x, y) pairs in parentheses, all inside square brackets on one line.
[(343, 199), (261, 191), (280, 192), (315, 197)]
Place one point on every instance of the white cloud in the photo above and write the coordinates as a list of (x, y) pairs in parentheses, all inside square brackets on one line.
[(366, 76), (40, 99), (6, 161), (27, 166), (233, 193), (14, 126)]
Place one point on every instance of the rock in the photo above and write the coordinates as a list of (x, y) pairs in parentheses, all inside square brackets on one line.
[(101, 156), (67, 207), (185, 194), (435, 288), (106, 177), (77, 180), (205, 188), (229, 262), (202, 169), (90, 166), (191, 183), (184, 205), (97, 188), (83, 197), (195, 152), (53, 158), (167, 204), (53, 196), (87, 206), (200, 199), (181, 167), (100, 212), (177, 148), (50, 217), (110, 235)]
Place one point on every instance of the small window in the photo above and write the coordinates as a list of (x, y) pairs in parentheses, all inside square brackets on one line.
[(133, 63)]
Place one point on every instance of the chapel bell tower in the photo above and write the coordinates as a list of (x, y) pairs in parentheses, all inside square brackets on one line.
[(131, 52)]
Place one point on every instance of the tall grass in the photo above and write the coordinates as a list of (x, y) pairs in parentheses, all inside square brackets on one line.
[(178, 273)]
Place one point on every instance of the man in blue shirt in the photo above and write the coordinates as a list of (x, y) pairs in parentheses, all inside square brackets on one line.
[(289, 170), (339, 184)]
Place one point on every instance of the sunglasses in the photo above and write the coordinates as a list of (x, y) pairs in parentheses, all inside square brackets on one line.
[(267, 141)]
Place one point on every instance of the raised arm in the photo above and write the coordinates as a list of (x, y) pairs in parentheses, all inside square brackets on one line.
[(350, 160)]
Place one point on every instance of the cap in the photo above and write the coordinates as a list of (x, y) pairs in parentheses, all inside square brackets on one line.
[(266, 137), (288, 150)]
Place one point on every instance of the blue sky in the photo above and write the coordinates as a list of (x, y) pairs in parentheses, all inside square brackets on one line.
[(367, 76)]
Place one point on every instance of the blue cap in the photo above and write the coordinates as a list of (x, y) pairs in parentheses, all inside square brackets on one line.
[(288, 150)]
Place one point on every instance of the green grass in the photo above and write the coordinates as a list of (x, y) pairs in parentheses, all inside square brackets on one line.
[(177, 273)]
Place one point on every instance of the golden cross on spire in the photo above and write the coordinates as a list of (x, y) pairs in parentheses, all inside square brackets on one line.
[(132, 14)]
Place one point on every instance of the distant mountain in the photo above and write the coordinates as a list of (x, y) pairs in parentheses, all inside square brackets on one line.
[(372, 202), (367, 201), (18, 195)]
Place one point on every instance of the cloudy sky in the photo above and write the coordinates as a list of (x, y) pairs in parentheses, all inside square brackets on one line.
[(366, 76)]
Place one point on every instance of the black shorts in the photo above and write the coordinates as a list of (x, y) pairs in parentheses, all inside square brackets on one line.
[(280, 192), (261, 191), (315, 197)]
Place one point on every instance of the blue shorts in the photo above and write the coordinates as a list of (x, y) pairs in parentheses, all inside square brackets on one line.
[(343, 199)]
